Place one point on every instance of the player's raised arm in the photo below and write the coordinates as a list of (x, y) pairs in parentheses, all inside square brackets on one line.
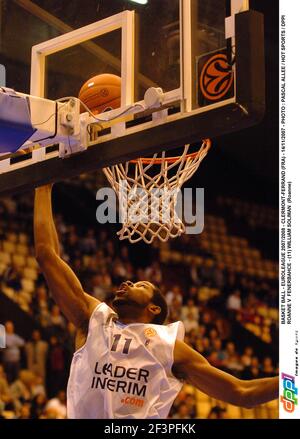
[(62, 281), (196, 370)]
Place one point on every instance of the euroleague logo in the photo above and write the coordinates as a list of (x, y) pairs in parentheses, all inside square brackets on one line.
[(104, 92), (216, 77), (150, 332)]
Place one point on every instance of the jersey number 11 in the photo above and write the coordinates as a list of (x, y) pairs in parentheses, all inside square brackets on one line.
[(117, 338)]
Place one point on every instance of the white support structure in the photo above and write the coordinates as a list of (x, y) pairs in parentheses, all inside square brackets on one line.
[(186, 53), (238, 6), (128, 57), (123, 21)]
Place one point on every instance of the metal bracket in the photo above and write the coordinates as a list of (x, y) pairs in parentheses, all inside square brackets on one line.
[(73, 127), (160, 116)]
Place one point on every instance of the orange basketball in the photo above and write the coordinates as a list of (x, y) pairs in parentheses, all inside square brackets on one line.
[(101, 93)]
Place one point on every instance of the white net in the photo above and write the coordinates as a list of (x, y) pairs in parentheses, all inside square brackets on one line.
[(148, 188)]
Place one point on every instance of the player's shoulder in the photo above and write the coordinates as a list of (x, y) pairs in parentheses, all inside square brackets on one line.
[(176, 329), (92, 303), (101, 310), (99, 314), (168, 333)]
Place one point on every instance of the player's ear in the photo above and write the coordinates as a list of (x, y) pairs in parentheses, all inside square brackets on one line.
[(154, 309)]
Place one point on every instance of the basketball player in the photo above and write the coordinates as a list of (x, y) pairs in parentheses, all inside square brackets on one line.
[(127, 363)]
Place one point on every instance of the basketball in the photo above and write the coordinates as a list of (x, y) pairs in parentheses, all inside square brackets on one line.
[(101, 93)]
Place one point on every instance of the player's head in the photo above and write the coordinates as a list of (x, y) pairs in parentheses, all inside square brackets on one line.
[(140, 300)]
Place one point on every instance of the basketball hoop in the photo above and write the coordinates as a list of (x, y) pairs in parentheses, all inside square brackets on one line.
[(148, 197)]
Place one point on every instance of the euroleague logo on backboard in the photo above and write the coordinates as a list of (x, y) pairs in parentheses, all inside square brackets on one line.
[(216, 77)]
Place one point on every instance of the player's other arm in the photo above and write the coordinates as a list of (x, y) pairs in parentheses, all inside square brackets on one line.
[(65, 287), (196, 370)]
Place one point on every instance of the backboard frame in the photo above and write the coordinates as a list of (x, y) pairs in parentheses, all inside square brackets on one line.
[(124, 20), (163, 131)]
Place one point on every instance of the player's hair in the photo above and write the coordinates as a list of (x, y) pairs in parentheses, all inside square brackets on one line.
[(159, 300)]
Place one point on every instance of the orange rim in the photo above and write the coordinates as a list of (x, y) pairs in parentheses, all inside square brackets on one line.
[(159, 160)]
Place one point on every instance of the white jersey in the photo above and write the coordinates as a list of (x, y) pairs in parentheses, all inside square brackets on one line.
[(123, 371)]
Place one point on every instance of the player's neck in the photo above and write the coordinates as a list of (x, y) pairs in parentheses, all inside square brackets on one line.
[(142, 317), (128, 320)]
